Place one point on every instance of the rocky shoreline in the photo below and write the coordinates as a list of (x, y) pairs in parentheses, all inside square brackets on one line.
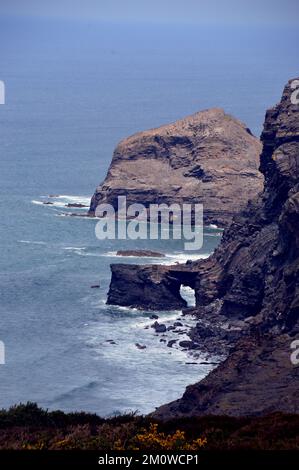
[(247, 292)]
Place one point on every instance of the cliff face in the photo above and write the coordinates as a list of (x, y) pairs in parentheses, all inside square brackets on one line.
[(247, 292), (209, 157), (255, 270), (254, 276), (257, 378)]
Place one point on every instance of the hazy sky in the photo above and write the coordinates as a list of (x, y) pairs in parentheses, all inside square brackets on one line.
[(193, 11)]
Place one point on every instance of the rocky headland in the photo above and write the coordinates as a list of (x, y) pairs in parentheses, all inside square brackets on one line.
[(209, 157), (247, 292)]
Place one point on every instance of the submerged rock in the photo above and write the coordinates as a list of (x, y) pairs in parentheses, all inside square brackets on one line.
[(76, 204), (140, 346), (140, 253)]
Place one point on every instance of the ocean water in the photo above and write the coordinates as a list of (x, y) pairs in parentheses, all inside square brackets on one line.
[(73, 90)]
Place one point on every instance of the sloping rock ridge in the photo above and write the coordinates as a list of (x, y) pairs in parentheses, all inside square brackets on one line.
[(247, 292), (209, 157)]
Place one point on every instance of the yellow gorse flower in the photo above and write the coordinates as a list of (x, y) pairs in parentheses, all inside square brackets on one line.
[(152, 439)]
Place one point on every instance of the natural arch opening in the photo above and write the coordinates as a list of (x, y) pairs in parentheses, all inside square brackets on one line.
[(188, 294)]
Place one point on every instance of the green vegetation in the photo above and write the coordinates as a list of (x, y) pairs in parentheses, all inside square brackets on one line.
[(30, 427)]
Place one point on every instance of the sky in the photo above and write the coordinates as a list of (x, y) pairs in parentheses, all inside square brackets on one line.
[(283, 12)]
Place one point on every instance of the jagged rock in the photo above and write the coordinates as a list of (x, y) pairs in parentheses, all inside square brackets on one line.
[(188, 344), (171, 342), (159, 327), (209, 157), (76, 205), (140, 346)]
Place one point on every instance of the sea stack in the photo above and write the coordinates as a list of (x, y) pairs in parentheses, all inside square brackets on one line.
[(209, 158)]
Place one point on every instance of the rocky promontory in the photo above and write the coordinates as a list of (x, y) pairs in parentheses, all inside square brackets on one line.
[(209, 158), (247, 292), (150, 287)]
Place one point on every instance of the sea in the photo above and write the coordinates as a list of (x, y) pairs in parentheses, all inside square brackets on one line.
[(73, 90)]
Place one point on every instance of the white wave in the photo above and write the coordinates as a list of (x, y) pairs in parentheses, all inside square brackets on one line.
[(123, 309), (32, 242), (62, 201), (70, 199), (74, 248), (67, 214), (111, 254), (186, 255), (169, 258), (83, 251), (39, 203), (183, 257), (63, 205), (189, 295)]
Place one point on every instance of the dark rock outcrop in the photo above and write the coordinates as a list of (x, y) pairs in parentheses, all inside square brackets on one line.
[(76, 205), (140, 253), (149, 287), (159, 327), (209, 157)]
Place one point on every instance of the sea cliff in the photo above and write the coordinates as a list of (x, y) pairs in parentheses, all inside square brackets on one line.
[(247, 292)]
